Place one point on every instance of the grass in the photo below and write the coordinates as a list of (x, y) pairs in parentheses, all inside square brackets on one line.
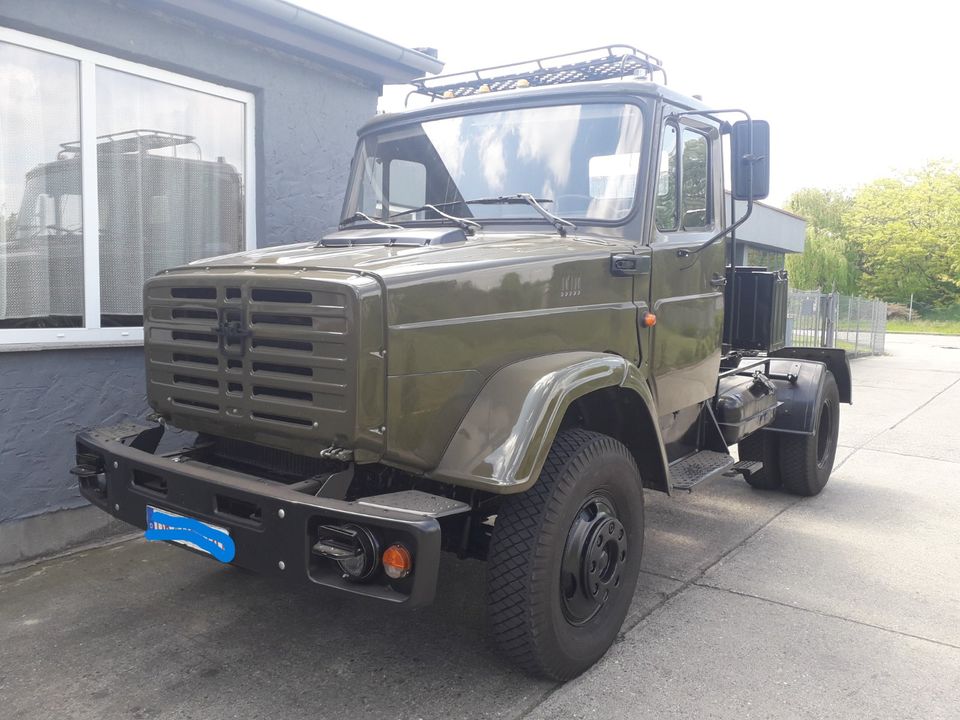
[(935, 327)]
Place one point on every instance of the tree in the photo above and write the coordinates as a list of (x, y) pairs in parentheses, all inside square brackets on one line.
[(907, 231), (829, 260)]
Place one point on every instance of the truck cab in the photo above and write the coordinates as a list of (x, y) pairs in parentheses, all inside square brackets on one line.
[(526, 318)]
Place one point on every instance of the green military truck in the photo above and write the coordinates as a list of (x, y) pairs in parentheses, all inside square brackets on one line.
[(526, 318)]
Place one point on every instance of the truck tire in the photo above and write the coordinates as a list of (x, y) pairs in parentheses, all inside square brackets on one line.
[(565, 556), (807, 460), (765, 448)]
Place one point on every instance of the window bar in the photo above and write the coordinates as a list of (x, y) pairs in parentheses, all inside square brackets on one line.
[(249, 188), (88, 189)]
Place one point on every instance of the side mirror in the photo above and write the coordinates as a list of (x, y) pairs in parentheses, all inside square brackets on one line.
[(750, 161)]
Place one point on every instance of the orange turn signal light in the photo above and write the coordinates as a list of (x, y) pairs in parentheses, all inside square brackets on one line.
[(649, 319), (397, 561)]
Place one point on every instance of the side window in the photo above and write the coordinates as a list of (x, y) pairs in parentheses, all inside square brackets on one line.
[(695, 179), (666, 205)]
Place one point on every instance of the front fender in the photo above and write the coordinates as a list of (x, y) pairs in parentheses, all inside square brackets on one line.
[(505, 437)]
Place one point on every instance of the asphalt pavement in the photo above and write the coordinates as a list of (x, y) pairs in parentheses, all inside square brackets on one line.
[(751, 605)]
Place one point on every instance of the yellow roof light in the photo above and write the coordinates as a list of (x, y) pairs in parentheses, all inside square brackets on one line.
[(483, 88)]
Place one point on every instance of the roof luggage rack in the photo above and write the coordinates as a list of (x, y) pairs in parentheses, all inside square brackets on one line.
[(616, 61)]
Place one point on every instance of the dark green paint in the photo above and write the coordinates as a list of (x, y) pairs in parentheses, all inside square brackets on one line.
[(455, 360)]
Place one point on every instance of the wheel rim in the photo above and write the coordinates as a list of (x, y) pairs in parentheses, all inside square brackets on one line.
[(593, 560), (824, 434)]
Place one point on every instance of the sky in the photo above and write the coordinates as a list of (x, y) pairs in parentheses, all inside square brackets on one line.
[(853, 90)]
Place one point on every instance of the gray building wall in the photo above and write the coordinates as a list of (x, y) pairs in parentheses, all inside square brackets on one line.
[(46, 397), (306, 120)]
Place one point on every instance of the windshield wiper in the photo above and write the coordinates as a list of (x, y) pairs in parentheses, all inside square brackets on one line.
[(462, 223), (358, 216), (561, 224)]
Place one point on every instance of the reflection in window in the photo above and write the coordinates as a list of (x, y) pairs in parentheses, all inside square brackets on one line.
[(408, 185), (170, 180), (666, 205), (371, 200), (695, 180), (614, 176), (41, 228)]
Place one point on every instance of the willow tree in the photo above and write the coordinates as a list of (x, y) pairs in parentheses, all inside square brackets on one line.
[(829, 260)]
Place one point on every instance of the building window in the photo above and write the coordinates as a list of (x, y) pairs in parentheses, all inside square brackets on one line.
[(770, 259), (171, 183), (41, 226)]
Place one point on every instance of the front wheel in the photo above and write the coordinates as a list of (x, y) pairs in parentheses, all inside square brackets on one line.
[(565, 556)]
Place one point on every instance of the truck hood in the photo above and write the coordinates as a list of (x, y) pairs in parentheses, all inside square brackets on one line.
[(415, 252)]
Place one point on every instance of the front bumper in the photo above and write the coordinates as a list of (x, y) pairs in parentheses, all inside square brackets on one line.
[(273, 527)]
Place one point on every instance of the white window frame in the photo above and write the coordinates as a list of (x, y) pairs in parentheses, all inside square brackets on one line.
[(91, 334)]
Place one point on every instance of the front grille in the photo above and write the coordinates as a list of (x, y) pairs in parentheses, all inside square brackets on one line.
[(287, 368)]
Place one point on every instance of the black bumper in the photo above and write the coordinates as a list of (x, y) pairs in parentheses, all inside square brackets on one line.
[(273, 527)]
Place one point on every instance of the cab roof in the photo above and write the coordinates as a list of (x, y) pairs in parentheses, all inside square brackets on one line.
[(566, 93)]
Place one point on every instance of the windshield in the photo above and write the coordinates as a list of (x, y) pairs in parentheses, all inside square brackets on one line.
[(578, 161)]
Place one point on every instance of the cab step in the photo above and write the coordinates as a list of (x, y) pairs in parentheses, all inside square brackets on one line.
[(696, 468), (744, 468)]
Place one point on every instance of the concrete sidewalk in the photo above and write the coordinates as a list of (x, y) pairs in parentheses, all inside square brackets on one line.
[(751, 604)]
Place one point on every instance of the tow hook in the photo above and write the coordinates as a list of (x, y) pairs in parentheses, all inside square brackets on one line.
[(90, 473)]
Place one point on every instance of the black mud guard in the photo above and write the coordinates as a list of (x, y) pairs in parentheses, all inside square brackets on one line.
[(799, 385), (834, 358)]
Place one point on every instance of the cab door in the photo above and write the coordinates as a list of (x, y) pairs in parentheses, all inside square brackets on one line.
[(687, 275)]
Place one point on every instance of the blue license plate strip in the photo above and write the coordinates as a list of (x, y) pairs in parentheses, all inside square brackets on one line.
[(166, 526)]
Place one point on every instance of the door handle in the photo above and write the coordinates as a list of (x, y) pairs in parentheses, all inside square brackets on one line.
[(625, 264), (718, 281)]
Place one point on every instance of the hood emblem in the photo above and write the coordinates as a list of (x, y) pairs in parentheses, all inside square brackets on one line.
[(232, 336)]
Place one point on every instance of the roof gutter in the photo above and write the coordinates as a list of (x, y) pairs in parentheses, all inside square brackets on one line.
[(312, 22), (314, 35)]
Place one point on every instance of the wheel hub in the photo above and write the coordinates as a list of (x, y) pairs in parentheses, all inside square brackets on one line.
[(594, 556)]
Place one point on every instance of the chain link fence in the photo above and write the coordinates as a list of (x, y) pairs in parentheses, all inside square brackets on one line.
[(816, 319)]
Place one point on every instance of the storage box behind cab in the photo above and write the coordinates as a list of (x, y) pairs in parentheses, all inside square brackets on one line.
[(755, 301)]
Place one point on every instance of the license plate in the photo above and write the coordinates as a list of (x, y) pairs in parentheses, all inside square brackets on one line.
[(166, 526)]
